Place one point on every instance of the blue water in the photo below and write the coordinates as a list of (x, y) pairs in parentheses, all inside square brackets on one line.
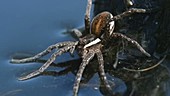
[(28, 27)]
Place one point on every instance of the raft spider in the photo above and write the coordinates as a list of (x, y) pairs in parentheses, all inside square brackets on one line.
[(100, 31)]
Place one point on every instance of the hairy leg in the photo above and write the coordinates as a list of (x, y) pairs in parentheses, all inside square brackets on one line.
[(132, 11), (49, 61), (87, 16), (76, 33), (43, 53), (85, 61), (129, 12), (119, 35), (102, 72), (116, 60)]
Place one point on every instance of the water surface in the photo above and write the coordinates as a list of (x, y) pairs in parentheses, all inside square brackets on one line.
[(28, 27)]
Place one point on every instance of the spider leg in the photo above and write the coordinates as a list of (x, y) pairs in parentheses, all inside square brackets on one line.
[(72, 50), (102, 72), (87, 16), (39, 55), (49, 61), (129, 12), (76, 33), (116, 60), (131, 41), (86, 59)]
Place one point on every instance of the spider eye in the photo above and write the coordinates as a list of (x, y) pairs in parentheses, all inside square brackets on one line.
[(100, 22)]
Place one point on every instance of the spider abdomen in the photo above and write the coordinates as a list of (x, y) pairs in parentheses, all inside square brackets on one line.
[(100, 22)]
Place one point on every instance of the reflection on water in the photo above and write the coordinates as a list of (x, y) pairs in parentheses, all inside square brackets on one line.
[(30, 26), (122, 81)]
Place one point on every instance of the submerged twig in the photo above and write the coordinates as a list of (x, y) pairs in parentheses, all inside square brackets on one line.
[(146, 69)]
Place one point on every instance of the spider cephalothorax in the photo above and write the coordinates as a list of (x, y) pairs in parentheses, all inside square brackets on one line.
[(101, 23), (101, 30)]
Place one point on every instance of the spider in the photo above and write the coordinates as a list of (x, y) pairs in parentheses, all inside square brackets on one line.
[(100, 32)]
